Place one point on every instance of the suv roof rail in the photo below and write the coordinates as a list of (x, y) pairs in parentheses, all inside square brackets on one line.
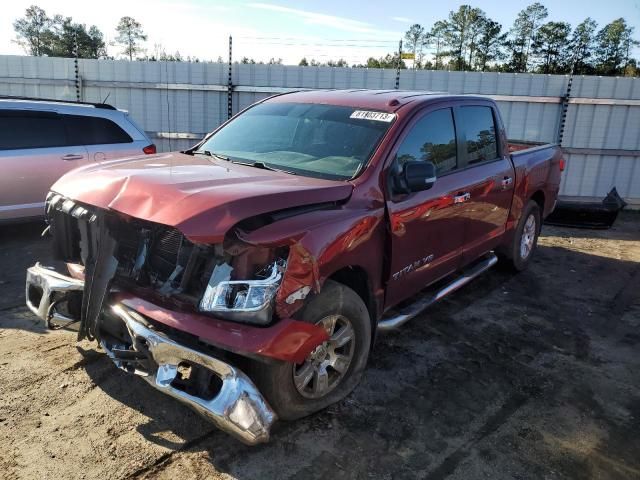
[(106, 106)]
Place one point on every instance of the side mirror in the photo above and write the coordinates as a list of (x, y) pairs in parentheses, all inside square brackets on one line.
[(419, 175)]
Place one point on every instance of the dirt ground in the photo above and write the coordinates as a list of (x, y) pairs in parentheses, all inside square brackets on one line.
[(526, 376)]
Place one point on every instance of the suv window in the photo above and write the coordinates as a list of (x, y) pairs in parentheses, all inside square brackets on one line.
[(480, 134), (20, 129), (94, 131), (433, 139)]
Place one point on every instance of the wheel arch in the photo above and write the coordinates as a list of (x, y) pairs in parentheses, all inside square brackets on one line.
[(539, 198), (357, 279)]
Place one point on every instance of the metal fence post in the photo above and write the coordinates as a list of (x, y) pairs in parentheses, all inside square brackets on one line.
[(398, 69), (565, 108), (230, 83), (76, 67)]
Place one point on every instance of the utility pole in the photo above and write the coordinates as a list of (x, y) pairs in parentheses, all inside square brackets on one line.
[(398, 65)]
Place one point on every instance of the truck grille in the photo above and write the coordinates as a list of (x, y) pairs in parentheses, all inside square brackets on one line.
[(149, 255)]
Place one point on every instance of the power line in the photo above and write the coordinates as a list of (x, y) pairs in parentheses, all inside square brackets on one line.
[(377, 40), (297, 44)]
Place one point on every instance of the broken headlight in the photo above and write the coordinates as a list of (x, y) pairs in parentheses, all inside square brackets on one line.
[(249, 301)]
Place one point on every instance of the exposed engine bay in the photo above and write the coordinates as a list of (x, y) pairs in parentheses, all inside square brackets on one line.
[(232, 280)]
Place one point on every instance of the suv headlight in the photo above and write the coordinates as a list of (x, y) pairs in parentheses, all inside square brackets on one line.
[(248, 301)]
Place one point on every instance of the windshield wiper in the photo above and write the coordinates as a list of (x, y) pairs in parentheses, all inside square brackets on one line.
[(209, 153), (264, 166)]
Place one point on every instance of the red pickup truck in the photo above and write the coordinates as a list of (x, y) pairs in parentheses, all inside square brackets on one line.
[(247, 277)]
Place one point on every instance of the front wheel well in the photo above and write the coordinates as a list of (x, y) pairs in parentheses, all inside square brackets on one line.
[(356, 279)]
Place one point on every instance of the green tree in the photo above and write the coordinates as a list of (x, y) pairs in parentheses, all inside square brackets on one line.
[(414, 42), (68, 37), (523, 33), (341, 62), (303, 62), (34, 31), (613, 47), (130, 35), (550, 46), (490, 44), (582, 44), (462, 29), (437, 40), (388, 61)]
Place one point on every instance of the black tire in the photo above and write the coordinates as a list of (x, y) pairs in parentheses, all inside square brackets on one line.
[(511, 256), (276, 380)]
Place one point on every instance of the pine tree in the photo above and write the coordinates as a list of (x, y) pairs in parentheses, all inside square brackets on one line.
[(130, 34)]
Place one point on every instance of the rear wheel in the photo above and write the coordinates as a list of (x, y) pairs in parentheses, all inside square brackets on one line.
[(333, 369), (517, 256)]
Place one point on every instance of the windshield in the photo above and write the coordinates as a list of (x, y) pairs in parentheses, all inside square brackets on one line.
[(324, 141)]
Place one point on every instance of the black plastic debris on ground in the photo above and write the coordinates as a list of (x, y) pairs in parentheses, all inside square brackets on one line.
[(587, 214)]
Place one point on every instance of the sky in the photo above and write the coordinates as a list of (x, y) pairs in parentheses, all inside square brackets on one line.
[(261, 29)]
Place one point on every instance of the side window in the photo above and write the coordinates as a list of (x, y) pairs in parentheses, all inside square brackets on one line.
[(27, 129), (432, 139), (480, 134), (94, 131)]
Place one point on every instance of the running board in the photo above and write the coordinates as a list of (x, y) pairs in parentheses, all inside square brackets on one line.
[(410, 311)]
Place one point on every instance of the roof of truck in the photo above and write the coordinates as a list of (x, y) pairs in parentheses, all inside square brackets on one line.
[(383, 100)]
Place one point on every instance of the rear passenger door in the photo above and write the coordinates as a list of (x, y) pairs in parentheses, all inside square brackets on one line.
[(427, 228), (34, 153), (490, 177), (103, 138)]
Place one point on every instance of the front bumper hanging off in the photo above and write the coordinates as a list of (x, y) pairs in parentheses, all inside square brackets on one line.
[(237, 407)]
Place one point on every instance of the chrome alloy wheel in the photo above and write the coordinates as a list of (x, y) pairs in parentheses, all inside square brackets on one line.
[(528, 237), (327, 364)]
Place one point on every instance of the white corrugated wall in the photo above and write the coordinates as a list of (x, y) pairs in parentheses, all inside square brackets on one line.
[(184, 101)]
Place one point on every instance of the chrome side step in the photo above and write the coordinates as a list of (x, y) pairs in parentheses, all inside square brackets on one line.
[(410, 311)]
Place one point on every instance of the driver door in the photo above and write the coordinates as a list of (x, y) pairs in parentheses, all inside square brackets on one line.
[(427, 227)]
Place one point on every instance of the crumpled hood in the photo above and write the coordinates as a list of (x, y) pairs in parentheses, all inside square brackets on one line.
[(200, 196)]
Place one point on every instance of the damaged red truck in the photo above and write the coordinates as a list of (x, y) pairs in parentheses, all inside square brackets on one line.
[(247, 277)]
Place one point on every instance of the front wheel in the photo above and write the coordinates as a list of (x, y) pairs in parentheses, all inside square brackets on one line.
[(517, 256), (333, 369)]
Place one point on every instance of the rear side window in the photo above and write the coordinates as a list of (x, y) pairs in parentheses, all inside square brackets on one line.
[(94, 131), (432, 139), (480, 134), (20, 130)]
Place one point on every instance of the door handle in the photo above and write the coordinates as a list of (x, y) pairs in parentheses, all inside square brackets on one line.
[(72, 156), (506, 182), (462, 197)]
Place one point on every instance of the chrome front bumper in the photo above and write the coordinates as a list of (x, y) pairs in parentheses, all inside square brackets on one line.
[(45, 288), (237, 407)]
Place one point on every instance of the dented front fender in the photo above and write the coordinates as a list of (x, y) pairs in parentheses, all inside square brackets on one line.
[(320, 244)]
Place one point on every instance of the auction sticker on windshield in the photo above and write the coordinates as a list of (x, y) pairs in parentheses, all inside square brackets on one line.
[(369, 115)]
